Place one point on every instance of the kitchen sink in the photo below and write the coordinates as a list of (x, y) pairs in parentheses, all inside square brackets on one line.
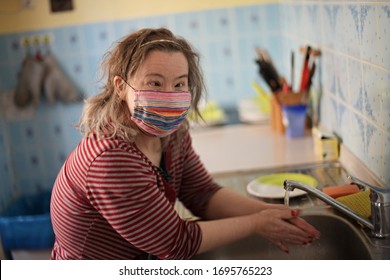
[(341, 237), (340, 240)]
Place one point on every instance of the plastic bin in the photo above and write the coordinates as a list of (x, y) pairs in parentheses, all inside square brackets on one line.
[(26, 224)]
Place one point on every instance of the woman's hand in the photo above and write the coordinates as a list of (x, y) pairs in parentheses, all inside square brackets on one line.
[(282, 225)]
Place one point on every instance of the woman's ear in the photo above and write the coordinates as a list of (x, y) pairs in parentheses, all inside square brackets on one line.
[(120, 87)]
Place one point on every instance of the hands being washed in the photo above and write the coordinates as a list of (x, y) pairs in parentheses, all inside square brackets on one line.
[(282, 225)]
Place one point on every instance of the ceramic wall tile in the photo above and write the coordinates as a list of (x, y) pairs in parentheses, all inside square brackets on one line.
[(328, 111), (374, 149), (288, 23), (3, 52), (93, 74), (244, 88), (246, 49), (272, 13), (330, 13), (276, 50), (16, 133), (342, 118), (385, 176), (355, 78), (127, 26), (374, 88), (312, 22), (6, 183), (355, 140), (351, 29), (71, 42), (221, 53), (250, 20), (15, 51), (384, 80), (60, 41), (300, 26), (157, 22), (328, 75), (9, 76), (341, 27), (368, 31), (223, 86), (218, 23), (98, 37), (341, 77), (383, 36), (191, 23)]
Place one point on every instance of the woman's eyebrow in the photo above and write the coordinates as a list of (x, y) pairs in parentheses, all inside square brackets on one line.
[(162, 76), (182, 76)]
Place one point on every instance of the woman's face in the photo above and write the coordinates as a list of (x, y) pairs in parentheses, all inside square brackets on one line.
[(161, 71)]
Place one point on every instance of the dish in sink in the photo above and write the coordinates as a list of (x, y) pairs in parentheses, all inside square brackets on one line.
[(271, 185)]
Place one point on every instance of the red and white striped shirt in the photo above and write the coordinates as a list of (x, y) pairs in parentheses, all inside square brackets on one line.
[(110, 202)]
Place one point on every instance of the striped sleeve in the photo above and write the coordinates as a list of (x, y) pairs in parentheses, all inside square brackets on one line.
[(197, 184), (123, 189)]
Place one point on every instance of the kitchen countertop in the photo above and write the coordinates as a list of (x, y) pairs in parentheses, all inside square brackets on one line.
[(243, 147)]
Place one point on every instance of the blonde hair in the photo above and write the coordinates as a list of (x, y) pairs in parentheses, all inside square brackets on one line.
[(105, 114)]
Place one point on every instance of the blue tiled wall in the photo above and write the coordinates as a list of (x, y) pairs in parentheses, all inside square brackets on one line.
[(6, 184), (353, 77)]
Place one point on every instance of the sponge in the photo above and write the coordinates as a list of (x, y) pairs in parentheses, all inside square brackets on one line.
[(342, 190), (358, 202)]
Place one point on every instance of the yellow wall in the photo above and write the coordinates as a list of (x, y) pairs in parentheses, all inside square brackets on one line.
[(15, 19)]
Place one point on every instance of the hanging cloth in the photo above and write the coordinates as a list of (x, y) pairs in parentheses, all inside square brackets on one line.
[(56, 84), (29, 85)]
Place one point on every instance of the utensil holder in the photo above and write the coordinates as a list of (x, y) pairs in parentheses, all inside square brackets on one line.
[(280, 99), (294, 118), (276, 115)]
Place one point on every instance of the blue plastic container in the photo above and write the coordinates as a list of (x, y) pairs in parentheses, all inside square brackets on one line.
[(26, 224), (294, 118)]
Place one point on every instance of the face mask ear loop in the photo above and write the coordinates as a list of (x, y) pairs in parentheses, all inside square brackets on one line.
[(128, 84)]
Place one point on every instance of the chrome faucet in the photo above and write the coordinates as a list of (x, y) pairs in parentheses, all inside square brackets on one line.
[(379, 222)]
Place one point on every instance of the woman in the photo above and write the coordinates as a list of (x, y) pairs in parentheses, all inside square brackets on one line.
[(114, 196)]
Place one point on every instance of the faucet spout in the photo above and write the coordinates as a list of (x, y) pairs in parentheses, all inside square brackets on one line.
[(290, 185)]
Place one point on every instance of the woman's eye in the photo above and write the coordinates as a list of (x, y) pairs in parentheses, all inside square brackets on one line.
[(180, 85), (154, 84)]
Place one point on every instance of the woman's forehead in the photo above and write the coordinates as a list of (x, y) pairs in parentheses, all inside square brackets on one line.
[(164, 63)]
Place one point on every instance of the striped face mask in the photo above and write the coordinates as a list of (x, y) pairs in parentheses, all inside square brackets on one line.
[(160, 113)]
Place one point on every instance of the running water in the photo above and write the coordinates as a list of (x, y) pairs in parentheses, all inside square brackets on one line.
[(287, 198)]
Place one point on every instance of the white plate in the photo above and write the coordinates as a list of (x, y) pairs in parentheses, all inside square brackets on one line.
[(262, 187)]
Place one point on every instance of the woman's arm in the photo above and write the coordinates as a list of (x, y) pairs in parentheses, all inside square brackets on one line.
[(227, 203), (280, 226), (235, 216)]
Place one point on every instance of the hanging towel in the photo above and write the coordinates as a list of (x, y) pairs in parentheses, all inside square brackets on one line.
[(56, 85), (28, 88)]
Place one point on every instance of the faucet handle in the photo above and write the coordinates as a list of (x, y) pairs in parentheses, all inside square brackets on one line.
[(380, 193)]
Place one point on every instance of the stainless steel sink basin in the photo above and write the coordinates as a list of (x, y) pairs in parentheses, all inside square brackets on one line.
[(341, 237), (340, 240)]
